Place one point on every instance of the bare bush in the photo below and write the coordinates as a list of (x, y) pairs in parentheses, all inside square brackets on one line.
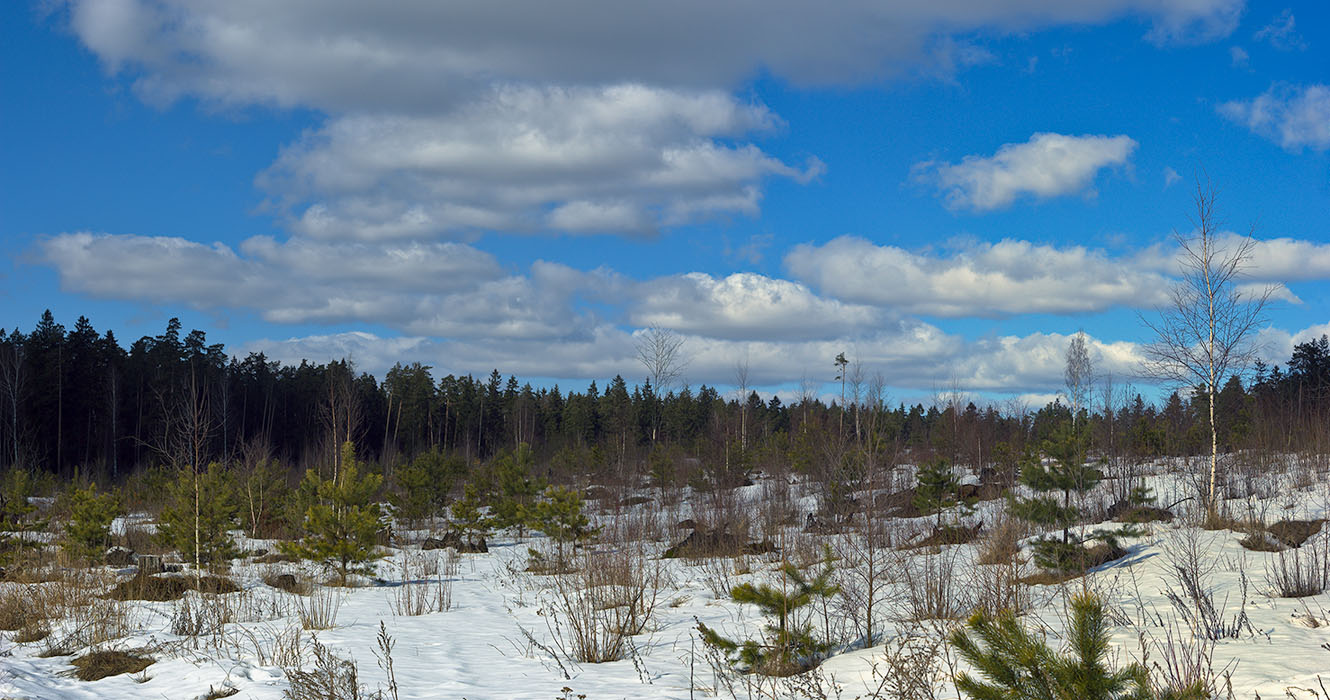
[(330, 678), (1298, 572), (318, 610), (932, 589), (425, 582), (910, 668), (611, 597)]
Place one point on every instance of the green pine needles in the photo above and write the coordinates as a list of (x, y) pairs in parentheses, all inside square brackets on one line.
[(1016, 665), (789, 645), (343, 522), (88, 532), (560, 516), (201, 510)]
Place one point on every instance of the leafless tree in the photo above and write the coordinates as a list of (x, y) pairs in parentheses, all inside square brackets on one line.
[(741, 385), (1204, 334), (660, 350), (1078, 375)]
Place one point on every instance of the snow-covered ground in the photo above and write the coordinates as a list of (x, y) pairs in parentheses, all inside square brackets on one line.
[(500, 636)]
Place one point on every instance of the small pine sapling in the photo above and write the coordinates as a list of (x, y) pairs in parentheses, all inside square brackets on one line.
[(1054, 485), (1017, 665), (423, 486), (467, 517), (216, 510), (560, 516), (88, 532), (343, 523), (516, 488), (936, 489), (789, 645)]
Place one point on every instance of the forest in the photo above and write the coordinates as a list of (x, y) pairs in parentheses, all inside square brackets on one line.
[(76, 401)]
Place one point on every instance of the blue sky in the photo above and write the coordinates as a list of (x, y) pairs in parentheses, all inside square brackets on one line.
[(941, 190)]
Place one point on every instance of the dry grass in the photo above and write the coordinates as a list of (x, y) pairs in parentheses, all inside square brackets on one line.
[(1002, 544), (102, 664), (163, 588)]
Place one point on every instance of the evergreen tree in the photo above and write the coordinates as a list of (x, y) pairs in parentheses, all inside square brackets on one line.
[(467, 516), (179, 528), (88, 532), (936, 488), (1054, 485), (516, 487), (790, 645), (343, 523), (1017, 665), (423, 486), (559, 515)]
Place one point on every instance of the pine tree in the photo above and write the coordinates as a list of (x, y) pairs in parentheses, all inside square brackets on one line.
[(88, 532), (467, 516), (423, 486), (1017, 665), (936, 488), (516, 487), (790, 645), (1054, 484), (343, 523), (559, 515), (217, 516)]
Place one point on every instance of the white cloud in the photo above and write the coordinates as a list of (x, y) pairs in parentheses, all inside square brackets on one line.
[(1171, 177), (1048, 165), (418, 55), (442, 289), (1282, 33), (1238, 56), (1295, 117), (910, 356), (621, 159), (747, 306), (984, 279)]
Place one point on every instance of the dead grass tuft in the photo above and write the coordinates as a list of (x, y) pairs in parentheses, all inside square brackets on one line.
[(102, 664)]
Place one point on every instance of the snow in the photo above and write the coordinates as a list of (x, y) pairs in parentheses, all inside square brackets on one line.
[(477, 648)]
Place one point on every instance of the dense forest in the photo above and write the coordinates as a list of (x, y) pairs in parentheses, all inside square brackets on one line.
[(76, 400)]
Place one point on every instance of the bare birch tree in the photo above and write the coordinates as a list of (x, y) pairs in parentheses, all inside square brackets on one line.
[(660, 350), (1204, 334), (1078, 375)]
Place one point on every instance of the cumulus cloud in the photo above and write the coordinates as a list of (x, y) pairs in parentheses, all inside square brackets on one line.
[(910, 356), (447, 289), (980, 279), (1048, 165), (621, 159), (1294, 116), (746, 306)]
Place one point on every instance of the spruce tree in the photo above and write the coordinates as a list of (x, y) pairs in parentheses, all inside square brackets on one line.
[(216, 516), (343, 523)]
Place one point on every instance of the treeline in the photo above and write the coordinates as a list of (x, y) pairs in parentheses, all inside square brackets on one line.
[(76, 400)]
